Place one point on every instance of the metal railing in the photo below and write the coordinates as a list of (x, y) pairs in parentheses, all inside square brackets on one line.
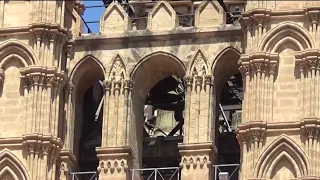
[(172, 173), (84, 175), (229, 170)]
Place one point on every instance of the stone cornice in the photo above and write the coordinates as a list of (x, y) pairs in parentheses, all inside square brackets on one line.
[(43, 75), (192, 147), (114, 152), (259, 61), (34, 27), (147, 35), (40, 143), (67, 156)]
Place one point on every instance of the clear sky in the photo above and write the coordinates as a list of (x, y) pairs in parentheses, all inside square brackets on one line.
[(93, 14)]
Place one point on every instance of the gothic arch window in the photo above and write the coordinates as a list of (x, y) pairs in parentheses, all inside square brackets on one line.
[(285, 149), (159, 91), (10, 167)]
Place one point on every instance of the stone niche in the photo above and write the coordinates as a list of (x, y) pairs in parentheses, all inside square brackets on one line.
[(162, 17), (114, 19), (209, 14)]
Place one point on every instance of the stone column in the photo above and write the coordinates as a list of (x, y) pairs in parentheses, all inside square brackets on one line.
[(258, 72), (41, 153), (116, 154), (198, 151), (67, 161), (251, 138)]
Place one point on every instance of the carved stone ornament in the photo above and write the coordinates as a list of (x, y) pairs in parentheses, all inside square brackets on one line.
[(195, 161), (188, 80), (199, 65), (117, 71), (113, 166)]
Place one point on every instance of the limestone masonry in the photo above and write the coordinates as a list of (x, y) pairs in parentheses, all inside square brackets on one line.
[(54, 74)]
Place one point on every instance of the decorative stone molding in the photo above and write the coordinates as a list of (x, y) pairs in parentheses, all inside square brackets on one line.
[(258, 71), (117, 100), (114, 19), (197, 157), (208, 14), (114, 162), (79, 7), (309, 64), (52, 38), (254, 23), (67, 160), (45, 83), (251, 137), (12, 165), (43, 149), (162, 17)]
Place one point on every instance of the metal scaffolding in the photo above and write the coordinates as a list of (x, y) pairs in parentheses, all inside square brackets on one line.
[(170, 173), (84, 175)]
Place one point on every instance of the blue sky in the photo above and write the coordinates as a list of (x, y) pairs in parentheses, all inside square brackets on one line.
[(93, 14)]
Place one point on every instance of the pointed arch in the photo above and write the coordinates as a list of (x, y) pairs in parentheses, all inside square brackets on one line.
[(14, 48), (114, 10), (225, 65), (199, 63), (88, 70), (10, 164), (281, 147), (284, 32), (154, 67), (117, 68), (169, 21)]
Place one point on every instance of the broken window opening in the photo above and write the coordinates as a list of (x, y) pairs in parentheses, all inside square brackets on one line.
[(229, 107), (164, 109), (91, 128)]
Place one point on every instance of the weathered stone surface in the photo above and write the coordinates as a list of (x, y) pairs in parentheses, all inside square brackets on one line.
[(46, 65)]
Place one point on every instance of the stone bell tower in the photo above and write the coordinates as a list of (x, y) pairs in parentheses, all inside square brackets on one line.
[(33, 66)]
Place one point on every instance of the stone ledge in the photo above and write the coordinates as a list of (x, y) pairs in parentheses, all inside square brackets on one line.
[(190, 32)]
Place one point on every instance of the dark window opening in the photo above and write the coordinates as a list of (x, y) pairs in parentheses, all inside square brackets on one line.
[(164, 119), (229, 110), (91, 132)]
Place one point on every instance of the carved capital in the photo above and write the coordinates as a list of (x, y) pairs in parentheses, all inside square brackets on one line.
[(272, 67), (68, 49), (117, 85), (188, 80), (313, 17), (52, 36), (208, 80), (38, 35), (198, 81), (245, 69), (107, 85), (128, 84)]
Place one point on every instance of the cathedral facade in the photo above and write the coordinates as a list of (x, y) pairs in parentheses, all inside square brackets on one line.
[(62, 88)]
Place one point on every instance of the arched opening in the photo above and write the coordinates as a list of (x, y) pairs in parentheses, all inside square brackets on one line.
[(11, 95), (88, 94), (158, 96), (229, 92)]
